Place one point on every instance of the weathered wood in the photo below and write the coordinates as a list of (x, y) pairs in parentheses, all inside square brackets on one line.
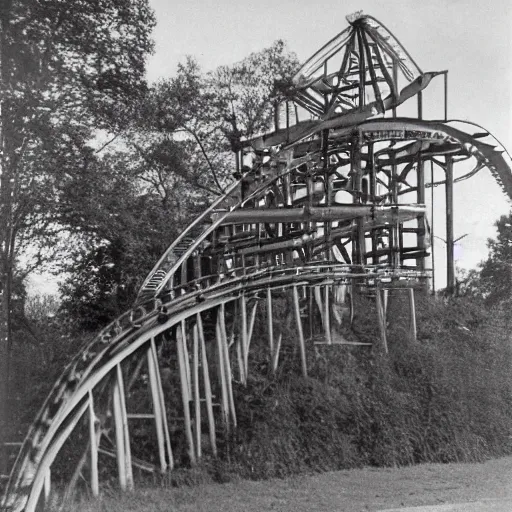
[(196, 391), (207, 386), (222, 374), (245, 339), (381, 318), (167, 437), (270, 322), (185, 394), (124, 463), (302, 344), (93, 442), (227, 365), (327, 315), (47, 485), (157, 411)]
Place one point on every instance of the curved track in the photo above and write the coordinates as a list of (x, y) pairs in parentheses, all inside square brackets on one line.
[(331, 205)]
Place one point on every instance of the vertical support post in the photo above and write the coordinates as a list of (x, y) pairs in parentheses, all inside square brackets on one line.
[(420, 199), (327, 315), (161, 399), (450, 262), (124, 457), (157, 411), (381, 317), (445, 74), (207, 386), (302, 344), (412, 316), (227, 364), (95, 486), (432, 238), (222, 372), (185, 390), (251, 325), (270, 322), (420, 105), (358, 238), (195, 385), (47, 486), (245, 341)]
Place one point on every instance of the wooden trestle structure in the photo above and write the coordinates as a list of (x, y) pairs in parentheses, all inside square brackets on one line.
[(329, 204)]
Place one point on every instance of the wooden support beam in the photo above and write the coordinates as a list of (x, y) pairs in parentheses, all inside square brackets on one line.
[(222, 374), (154, 354), (450, 261), (47, 486), (93, 441), (327, 315), (227, 365), (207, 386), (270, 323), (251, 324), (275, 355), (195, 389), (302, 343), (412, 315), (245, 339), (124, 456), (381, 318), (157, 410), (185, 391)]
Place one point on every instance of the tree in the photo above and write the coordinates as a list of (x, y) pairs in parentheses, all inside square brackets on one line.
[(120, 215), (67, 69), (496, 271), (213, 111)]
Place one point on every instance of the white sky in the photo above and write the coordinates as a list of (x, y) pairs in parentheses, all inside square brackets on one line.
[(470, 38)]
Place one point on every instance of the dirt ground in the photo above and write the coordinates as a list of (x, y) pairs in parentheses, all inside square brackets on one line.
[(340, 491)]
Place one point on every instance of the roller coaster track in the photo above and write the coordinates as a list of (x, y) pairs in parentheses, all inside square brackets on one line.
[(326, 208)]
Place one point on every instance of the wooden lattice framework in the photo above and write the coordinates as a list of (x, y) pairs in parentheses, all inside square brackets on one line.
[(328, 205)]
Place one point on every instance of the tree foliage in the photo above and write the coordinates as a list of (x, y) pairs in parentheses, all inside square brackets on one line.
[(496, 270), (67, 69)]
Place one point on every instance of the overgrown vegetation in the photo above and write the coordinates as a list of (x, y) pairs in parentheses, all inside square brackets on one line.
[(447, 398)]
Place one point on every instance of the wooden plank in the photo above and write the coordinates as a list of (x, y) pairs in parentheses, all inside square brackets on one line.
[(207, 386), (180, 342), (93, 441), (302, 344), (157, 412)]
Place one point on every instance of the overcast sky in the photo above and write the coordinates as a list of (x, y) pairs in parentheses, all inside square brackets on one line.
[(472, 39)]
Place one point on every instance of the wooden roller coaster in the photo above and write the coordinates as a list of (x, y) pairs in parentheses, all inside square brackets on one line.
[(328, 205)]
